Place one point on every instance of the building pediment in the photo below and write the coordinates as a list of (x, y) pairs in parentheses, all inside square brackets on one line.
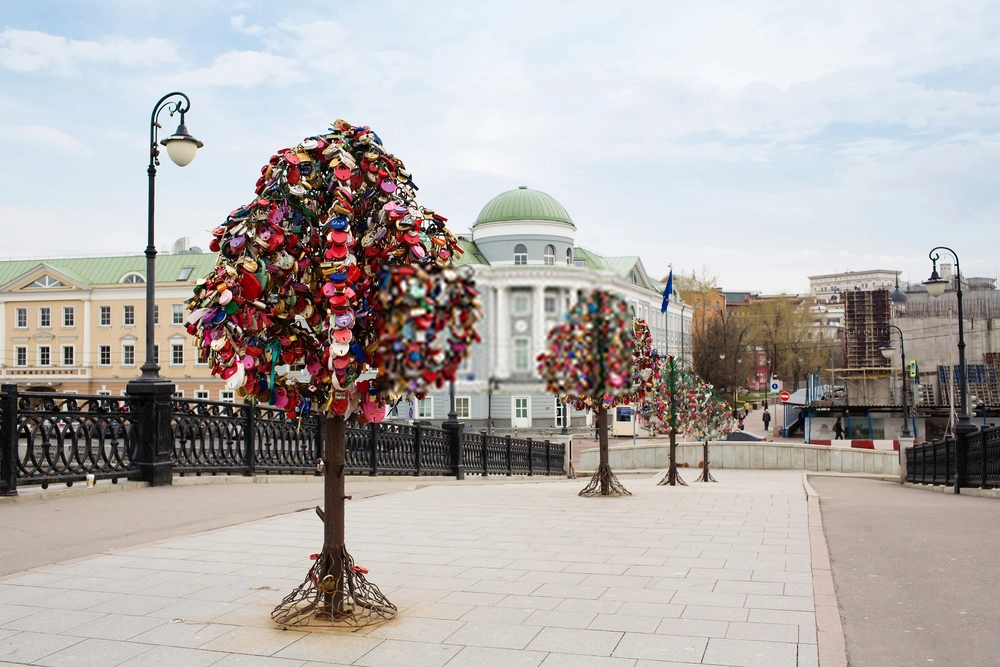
[(43, 278), (43, 336)]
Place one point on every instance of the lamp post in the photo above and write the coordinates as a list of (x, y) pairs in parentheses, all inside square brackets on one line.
[(887, 352), (935, 287), (452, 415), (181, 147), (150, 393)]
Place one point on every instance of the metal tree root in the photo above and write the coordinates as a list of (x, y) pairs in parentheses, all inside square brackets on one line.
[(677, 479), (345, 601), (706, 474), (604, 483)]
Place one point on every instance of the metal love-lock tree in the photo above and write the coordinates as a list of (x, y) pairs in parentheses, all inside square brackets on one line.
[(707, 419), (334, 269), (588, 363)]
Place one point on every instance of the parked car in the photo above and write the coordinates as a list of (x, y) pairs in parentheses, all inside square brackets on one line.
[(744, 436)]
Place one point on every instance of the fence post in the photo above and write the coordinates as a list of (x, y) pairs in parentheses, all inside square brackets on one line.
[(417, 442), (962, 454), (373, 447), (8, 448), (982, 458), (318, 443), (510, 470), (531, 458), (484, 453), (548, 458), (154, 452), (454, 431), (250, 438)]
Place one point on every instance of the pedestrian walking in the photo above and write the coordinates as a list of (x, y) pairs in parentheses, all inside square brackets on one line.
[(838, 430), (741, 422), (766, 418)]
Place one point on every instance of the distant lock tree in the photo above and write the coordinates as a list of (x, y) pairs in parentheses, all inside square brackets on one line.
[(334, 270), (590, 363)]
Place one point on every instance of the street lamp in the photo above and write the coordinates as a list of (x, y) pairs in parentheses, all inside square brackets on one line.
[(887, 352), (935, 287), (181, 147)]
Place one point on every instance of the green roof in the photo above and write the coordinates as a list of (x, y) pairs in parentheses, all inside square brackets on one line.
[(472, 254), (110, 270), (523, 204)]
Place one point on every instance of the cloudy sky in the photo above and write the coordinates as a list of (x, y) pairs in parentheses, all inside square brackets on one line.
[(764, 141)]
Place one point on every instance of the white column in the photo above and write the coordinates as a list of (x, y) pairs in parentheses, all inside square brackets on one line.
[(502, 333), (538, 320), (85, 361)]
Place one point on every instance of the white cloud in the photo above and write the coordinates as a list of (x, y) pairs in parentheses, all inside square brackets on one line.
[(33, 51), (246, 69), (40, 136)]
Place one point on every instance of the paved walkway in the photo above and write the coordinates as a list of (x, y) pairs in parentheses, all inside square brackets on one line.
[(495, 574)]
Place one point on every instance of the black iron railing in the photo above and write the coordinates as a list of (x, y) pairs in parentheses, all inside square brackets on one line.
[(47, 437), (939, 462)]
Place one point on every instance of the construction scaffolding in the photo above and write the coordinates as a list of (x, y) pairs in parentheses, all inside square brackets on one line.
[(866, 324)]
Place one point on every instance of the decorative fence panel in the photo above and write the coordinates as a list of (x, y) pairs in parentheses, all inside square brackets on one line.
[(48, 437), (940, 462)]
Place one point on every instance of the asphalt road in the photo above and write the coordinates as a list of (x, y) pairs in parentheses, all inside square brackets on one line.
[(915, 572)]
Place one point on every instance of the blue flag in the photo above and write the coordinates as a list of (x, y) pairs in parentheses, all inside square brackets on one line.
[(667, 291)]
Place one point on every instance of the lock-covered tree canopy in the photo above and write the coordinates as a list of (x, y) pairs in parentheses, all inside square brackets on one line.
[(333, 269)]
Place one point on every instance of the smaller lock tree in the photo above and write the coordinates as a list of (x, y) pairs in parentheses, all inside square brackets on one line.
[(588, 363)]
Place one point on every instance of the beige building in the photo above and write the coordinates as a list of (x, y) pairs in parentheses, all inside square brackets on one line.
[(832, 284), (78, 324)]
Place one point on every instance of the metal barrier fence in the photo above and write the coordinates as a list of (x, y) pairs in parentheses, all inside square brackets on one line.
[(974, 459), (50, 438)]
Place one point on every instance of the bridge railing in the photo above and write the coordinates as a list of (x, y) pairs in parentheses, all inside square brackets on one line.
[(47, 437)]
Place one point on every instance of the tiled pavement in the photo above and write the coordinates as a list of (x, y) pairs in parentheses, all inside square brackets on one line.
[(525, 574)]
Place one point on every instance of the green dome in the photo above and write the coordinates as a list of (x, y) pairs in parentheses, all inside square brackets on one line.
[(523, 204)]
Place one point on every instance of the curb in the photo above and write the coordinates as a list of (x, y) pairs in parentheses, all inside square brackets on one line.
[(830, 641)]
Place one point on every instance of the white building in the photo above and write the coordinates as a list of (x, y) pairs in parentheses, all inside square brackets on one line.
[(530, 272), (831, 284)]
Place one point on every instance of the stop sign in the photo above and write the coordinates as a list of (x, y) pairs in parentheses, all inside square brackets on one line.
[(784, 396)]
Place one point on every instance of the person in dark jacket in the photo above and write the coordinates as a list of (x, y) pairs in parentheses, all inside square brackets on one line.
[(838, 430)]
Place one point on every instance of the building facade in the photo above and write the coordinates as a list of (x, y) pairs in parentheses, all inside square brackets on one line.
[(830, 284), (77, 325), (530, 273)]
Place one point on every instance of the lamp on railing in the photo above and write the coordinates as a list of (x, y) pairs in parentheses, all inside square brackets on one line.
[(181, 147), (887, 352), (936, 287)]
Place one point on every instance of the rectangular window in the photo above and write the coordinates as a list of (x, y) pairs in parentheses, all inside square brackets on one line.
[(68, 355), (521, 408), (44, 317), (103, 392), (128, 316), (104, 355), (156, 313), (128, 355), (21, 318), (226, 396), (462, 404), (550, 304), (20, 356), (177, 354), (522, 355), (44, 355), (201, 393), (522, 304), (425, 408), (105, 316), (179, 393), (69, 317), (177, 313), (156, 354), (560, 414)]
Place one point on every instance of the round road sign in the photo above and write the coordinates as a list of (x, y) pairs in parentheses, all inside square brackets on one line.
[(784, 396), (775, 386)]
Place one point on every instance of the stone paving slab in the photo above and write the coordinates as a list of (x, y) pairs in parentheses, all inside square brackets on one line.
[(520, 574)]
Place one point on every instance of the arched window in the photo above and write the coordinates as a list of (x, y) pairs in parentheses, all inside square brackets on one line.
[(569, 256), (133, 277), (520, 254), (550, 254)]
